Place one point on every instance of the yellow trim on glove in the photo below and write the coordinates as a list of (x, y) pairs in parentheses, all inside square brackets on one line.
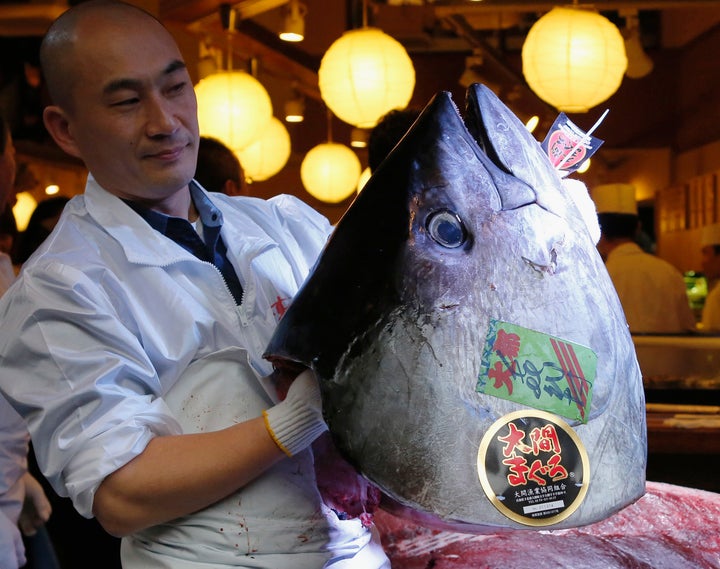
[(272, 434)]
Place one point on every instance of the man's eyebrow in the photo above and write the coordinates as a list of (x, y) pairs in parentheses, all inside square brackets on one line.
[(135, 84), (122, 84), (174, 66)]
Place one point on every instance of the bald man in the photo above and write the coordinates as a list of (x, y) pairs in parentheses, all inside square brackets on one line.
[(144, 316)]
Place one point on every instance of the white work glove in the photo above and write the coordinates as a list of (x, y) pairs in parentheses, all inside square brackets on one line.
[(297, 421)]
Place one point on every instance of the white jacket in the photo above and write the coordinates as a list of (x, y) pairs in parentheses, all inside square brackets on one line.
[(107, 316), (13, 465), (651, 290), (711, 309), (13, 461), (7, 272)]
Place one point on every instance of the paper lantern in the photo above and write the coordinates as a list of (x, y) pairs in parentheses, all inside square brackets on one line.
[(233, 107), (363, 179), (268, 154), (574, 59), (330, 172), (364, 74)]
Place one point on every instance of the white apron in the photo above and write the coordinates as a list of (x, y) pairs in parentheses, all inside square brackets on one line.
[(276, 522)]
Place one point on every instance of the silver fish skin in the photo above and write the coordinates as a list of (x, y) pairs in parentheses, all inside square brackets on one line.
[(460, 227)]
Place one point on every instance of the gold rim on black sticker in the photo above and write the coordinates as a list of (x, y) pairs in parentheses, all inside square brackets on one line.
[(533, 467)]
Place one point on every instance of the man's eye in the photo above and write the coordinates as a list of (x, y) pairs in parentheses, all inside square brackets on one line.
[(125, 102), (178, 87)]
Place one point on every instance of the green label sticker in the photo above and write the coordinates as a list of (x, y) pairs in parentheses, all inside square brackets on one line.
[(537, 370)]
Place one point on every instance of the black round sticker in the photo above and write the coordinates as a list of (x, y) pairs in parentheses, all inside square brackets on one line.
[(533, 467)]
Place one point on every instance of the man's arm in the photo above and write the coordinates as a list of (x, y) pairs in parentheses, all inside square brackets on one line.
[(177, 475), (180, 474)]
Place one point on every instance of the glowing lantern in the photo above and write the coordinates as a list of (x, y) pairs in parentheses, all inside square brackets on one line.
[(364, 74), (330, 172), (268, 154), (23, 209), (233, 107), (364, 177), (574, 59)]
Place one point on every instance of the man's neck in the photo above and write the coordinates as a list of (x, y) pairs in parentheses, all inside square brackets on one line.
[(607, 246), (179, 205)]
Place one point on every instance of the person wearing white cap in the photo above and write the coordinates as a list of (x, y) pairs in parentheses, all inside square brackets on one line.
[(651, 290), (710, 243)]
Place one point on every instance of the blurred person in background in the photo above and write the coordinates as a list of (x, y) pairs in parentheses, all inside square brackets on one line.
[(651, 290), (41, 223), (710, 251), (8, 241), (77, 542), (218, 168), (8, 228), (385, 135), (24, 508)]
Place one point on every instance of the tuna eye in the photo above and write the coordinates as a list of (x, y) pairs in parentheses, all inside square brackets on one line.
[(446, 228)]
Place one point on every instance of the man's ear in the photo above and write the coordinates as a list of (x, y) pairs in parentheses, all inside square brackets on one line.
[(58, 126)]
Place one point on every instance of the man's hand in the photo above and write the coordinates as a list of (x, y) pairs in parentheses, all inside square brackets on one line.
[(36, 507), (298, 420)]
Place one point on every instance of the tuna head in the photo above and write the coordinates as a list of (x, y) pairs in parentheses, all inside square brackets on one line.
[(462, 292)]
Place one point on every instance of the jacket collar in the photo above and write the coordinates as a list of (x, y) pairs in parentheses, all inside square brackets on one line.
[(143, 245)]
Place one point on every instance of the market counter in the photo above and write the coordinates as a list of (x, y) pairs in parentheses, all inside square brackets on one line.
[(681, 375)]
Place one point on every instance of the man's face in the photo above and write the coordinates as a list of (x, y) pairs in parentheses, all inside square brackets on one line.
[(7, 174), (134, 114)]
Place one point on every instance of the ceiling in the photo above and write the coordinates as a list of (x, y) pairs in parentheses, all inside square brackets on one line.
[(441, 37), (487, 35), (449, 39)]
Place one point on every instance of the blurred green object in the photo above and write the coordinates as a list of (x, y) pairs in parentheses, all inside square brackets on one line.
[(696, 286)]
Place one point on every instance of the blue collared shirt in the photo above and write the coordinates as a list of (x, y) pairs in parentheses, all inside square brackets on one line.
[(212, 249)]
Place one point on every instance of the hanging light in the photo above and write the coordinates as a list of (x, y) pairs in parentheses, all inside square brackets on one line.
[(24, 207), (293, 29), (363, 179), (574, 59), (233, 107), (268, 154), (295, 108), (359, 137), (584, 167), (330, 172), (639, 64), (364, 74), (532, 123)]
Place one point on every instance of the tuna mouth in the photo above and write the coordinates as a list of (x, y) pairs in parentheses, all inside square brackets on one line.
[(522, 171), (514, 193)]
